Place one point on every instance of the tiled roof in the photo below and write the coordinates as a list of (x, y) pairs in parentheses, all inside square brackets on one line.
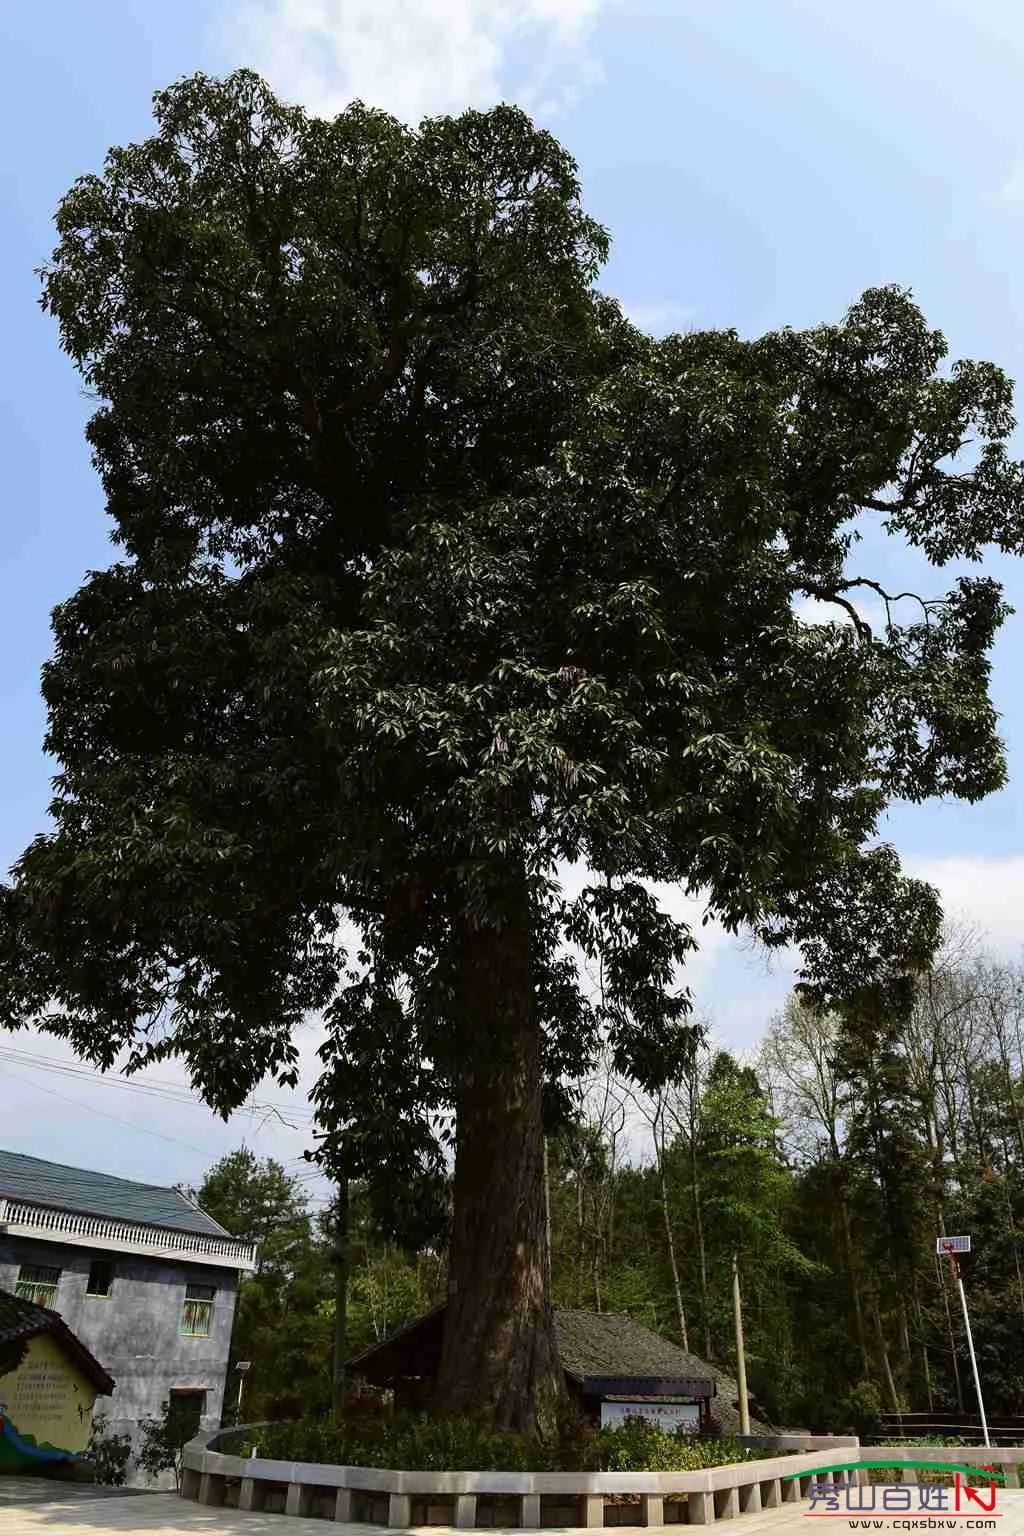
[(100, 1194), (23, 1320), (611, 1344)]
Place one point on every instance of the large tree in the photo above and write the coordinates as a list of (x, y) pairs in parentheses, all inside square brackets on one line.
[(434, 575)]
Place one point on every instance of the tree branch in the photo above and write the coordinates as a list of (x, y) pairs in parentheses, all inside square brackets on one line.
[(832, 595), (824, 595)]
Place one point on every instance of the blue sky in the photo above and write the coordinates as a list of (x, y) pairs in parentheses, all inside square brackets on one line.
[(759, 162)]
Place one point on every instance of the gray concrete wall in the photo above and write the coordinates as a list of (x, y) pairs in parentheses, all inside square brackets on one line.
[(135, 1332)]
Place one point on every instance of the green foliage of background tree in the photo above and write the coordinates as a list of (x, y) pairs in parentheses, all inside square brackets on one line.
[(283, 1314), (284, 1318), (838, 1320), (435, 574), (746, 1190), (257, 1201)]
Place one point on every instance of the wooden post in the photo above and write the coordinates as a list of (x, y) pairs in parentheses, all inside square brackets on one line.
[(741, 1359)]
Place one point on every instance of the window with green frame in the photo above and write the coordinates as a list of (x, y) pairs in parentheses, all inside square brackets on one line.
[(38, 1283), (197, 1312)]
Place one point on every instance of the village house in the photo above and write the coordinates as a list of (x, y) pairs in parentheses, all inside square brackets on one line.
[(141, 1276)]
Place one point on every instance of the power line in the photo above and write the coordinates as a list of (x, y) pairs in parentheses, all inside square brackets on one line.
[(155, 1088), (145, 1130), (159, 1087)]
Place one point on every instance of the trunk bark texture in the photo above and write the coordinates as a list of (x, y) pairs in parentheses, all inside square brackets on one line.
[(499, 1357)]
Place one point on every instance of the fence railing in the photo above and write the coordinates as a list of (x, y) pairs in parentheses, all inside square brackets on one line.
[(1006, 1459), (1007, 1428), (524, 1500), (22, 1219)]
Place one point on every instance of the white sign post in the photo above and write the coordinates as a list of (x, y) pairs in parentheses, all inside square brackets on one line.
[(243, 1367), (951, 1246)]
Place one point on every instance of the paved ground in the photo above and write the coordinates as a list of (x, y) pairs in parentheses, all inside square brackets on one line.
[(26, 1492), (31, 1507)]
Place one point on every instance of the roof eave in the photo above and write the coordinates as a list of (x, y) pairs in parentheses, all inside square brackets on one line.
[(42, 1223)]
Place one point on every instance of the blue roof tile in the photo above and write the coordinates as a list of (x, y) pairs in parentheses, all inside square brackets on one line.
[(38, 1182)]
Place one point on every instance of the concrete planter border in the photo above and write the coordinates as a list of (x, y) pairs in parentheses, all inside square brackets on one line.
[(713, 1493)]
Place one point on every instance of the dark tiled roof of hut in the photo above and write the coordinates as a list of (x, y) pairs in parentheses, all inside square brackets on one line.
[(612, 1344)]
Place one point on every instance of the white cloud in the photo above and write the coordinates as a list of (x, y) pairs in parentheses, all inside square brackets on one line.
[(416, 58), (1011, 192), (660, 319), (984, 892)]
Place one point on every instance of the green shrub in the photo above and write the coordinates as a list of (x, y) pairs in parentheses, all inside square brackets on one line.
[(419, 1443), (164, 1439), (107, 1456), (414, 1442), (860, 1411)]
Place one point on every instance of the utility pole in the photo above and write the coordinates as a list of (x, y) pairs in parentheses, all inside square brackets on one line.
[(741, 1359), (951, 1246)]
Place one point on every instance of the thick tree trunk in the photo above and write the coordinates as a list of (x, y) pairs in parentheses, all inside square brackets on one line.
[(547, 1211), (499, 1358)]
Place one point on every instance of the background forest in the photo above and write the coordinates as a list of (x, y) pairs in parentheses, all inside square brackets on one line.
[(829, 1161)]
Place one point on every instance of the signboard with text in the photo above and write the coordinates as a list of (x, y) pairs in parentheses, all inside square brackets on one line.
[(670, 1417)]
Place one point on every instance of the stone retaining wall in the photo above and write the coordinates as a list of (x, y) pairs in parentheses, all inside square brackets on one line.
[(348, 1493)]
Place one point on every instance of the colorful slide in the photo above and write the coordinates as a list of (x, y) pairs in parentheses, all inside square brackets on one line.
[(16, 1451)]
